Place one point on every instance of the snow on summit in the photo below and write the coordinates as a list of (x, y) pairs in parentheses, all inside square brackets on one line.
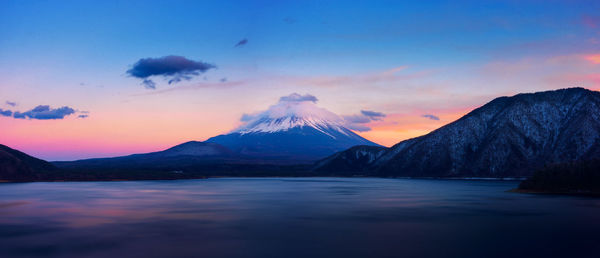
[(291, 111)]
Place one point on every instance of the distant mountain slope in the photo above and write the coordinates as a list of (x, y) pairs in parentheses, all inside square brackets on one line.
[(509, 136), (16, 165), (353, 160), (192, 152)]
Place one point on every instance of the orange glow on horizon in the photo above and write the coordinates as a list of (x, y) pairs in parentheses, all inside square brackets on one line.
[(399, 127), (595, 59)]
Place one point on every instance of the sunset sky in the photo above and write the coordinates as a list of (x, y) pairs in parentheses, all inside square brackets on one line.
[(422, 65)]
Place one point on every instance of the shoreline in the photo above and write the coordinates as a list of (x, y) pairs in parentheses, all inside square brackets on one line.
[(542, 192), (280, 176)]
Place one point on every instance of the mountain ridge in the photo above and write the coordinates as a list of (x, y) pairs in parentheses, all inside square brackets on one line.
[(16, 165), (508, 136)]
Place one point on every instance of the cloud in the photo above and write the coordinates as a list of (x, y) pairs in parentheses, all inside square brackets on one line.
[(44, 112), (295, 97), (357, 122), (10, 103), (373, 79), (247, 117), (5, 112), (224, 79), (432, 117), (305, 106), (82, 116), (357, 119), (373, 115), (149, 84), (358, 127), (173, 68), (241, 43), (198, 86), (293, 105)]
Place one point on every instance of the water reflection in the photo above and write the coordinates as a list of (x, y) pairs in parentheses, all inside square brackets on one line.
[(291, 217)]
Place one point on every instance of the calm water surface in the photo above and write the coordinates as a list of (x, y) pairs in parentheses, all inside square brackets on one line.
[(301, 217)]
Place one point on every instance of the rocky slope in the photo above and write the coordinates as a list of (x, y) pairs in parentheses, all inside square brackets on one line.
[(508, 137)]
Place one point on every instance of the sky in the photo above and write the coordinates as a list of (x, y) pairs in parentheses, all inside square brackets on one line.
[(83, 79)]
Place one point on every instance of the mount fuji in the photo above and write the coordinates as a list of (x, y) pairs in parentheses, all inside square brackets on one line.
[(293, 129)]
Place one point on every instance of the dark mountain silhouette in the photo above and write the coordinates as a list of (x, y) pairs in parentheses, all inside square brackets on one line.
[(507, 137), (184, 154), (580, 177), (18, 166)]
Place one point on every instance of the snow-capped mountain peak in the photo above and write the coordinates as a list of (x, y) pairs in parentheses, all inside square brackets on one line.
[(291, 114), (295, 128)]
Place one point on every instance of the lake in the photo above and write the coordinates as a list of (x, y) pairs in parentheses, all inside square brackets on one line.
[(293, 217)]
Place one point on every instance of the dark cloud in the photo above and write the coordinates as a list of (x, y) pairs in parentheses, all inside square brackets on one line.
[(224, 79), (357, 119), (149, 84), (5, 112), (358, 127), (82, 116), (373, 115), (10, 103), (174, 68), (295, 97), (432, 117), (241, 43), (44, 112), (357, 122)]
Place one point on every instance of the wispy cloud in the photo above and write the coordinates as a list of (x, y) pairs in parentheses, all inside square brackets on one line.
[(11, 103), (295, 97), (149, 84), (241, 43), (197, 86), (373, 115), (385, 76), (358, 122), (432, 117)]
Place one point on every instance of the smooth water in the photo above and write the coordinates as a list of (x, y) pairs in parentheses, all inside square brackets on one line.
[(293, 217)]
